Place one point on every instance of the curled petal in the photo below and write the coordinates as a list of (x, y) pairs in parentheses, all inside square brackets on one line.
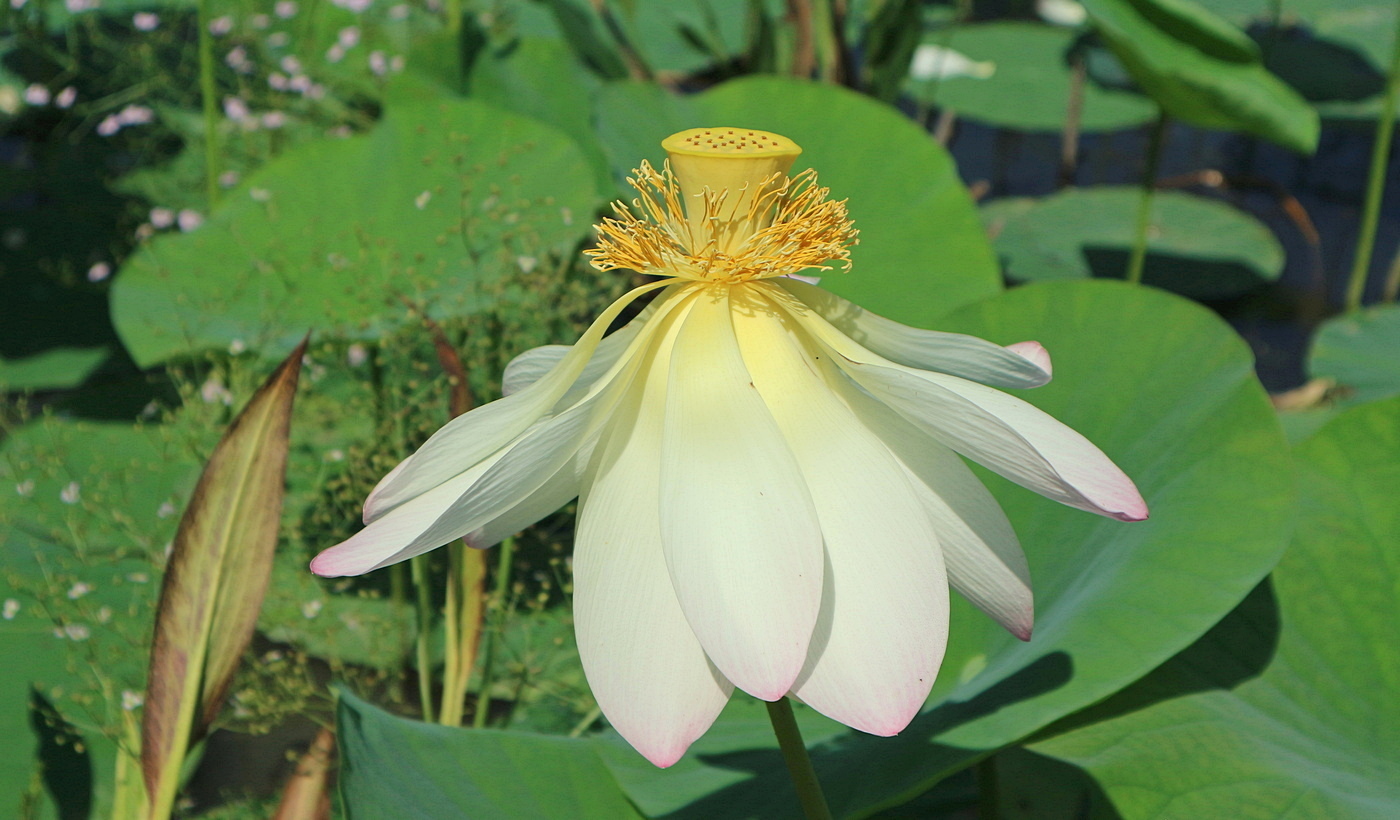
[(957, 354), (473, 436), (1003, 433), (740, 533)]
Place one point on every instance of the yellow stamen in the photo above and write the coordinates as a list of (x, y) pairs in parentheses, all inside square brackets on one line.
[(723, 209)]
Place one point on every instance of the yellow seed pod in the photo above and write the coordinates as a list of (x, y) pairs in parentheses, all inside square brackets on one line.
[(737, 164)]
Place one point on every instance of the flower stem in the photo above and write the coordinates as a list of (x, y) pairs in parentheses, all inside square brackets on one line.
[(488, 652), (799, 764), (423, 594), (1375, 184), (462, 618), (1149, 182), (208, 92)]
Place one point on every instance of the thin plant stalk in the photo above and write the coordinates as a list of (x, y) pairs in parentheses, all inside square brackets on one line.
[(1392, 279), (804, 54), (129, 790), (488, 651), (1149, 184), (799, 763), (462, 617), (1375, 183), (208, 92), (1074, 113), (423, 595)]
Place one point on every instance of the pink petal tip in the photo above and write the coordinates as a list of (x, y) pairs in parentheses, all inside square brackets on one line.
[(1035, 353)]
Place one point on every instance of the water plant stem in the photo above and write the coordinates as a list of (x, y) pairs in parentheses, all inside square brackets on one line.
[(1375, 183), (488, 651), (799, 763), (423, 596), (462, 616), (1149, 183), (207, 92)]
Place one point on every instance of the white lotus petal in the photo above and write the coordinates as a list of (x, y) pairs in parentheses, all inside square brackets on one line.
[(475, 435), (530, 366), (955, 353), (983, 556), (554, 493), (644, 664), (533, 458), (1003, 433), (883, 625), (740, 533), (386, 536)]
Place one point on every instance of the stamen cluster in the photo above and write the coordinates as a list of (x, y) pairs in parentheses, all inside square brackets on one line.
[(786, 227)]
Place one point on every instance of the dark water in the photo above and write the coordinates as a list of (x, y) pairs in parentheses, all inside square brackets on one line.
[(1278, 319)]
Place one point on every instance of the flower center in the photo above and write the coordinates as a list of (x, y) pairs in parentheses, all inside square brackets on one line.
[(723, 209)]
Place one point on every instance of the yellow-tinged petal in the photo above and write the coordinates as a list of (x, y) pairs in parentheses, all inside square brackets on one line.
[(883, 626), (741, 535), (646, 668)]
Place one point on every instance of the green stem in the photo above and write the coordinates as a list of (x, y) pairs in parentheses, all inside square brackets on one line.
[(1375, 184), (488, 652), (799, 764), (1149, 183), (423, 594), (208, 92)]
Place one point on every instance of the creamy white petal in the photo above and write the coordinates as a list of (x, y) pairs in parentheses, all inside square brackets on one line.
[(958, 354), (558, 490), (983, 556), (741, 536), (510, 489), (538, 454), (385, 538), (645, 666), (883, 625), (1003, 433), (475, 435), (530, 366)]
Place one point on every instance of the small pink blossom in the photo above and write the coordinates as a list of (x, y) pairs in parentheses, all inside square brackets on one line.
[(109, 126), (36, 94), (66, 97), (220, 26), (188, 220), (145, 21), (162, 218), (99, 272)]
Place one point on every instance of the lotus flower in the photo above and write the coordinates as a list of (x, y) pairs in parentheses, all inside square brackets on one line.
[(771, 493)]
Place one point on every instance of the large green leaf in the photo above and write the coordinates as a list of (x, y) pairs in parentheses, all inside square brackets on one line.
[(1168, 391), (1202, 70), (1361, 352), (1197, 247), (122, 482), (439, 204), (1030, 88), (395, 767), (922, 251), (1314, 735)]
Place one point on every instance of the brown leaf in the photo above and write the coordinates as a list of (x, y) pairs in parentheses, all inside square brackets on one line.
[(214, 583)]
